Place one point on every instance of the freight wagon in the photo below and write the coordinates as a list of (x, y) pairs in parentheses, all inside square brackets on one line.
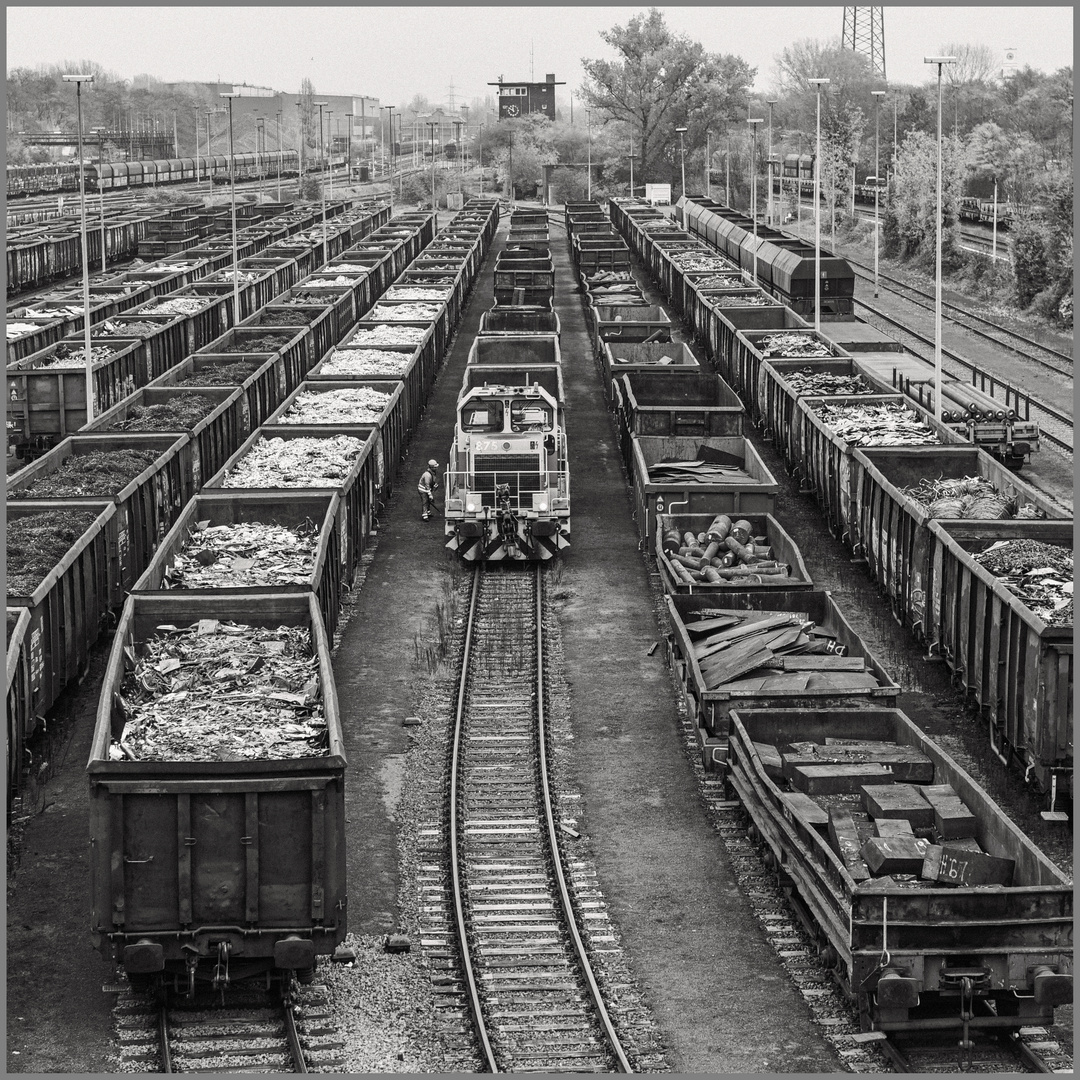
[(212, 870), (976, 933)]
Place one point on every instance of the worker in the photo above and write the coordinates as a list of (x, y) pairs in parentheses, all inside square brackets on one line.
[(429, 482)]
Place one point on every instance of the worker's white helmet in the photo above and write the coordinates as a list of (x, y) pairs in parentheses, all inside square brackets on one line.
[(433, 464)]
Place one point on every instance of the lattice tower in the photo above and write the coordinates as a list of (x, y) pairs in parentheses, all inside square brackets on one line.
[(864, 31)]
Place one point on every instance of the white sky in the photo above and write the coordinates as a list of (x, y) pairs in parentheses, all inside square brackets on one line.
[(395, 52)]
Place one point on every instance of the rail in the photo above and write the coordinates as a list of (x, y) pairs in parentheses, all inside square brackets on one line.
[(490, 692)]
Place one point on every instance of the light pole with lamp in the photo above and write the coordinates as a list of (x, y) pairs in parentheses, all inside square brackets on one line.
[(631, 164), (322, 187), (877, 96), (769, 220), (682, 157), (232, 201), (260, 144), (480, 155), (349, 117), (100, 133), (753, 122), (197, 148), (78, 80), (941, 61), (727, 172), (280, 156), (818, 84), (465, 110), (390, 110), (588, 159), (708, 162), (433, 124), (330, 149)]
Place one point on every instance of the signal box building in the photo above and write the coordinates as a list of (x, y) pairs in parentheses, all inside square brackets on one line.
[(524, 98)]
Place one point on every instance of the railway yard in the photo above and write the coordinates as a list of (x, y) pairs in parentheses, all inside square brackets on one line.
[(693, 732)]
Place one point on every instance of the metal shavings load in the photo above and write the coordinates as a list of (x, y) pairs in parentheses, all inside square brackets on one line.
[(359, 405), (341, 279), (179, 305), (226, 277), (182, 412), (288, 318), (1040, 574), (66, 357), (417, 312), (245, 555), (742, 300), (366, 362), (296, 463), (19, 329), (807, 383), (348, 268), (131, 329), (886, 424), (791, 346), (223, 374), (54, 312), (264, 343), (967, 497), (101, 472), (720, 281), (37, 542), (388, 335), (222, 691), (412, 292), (691, 260)]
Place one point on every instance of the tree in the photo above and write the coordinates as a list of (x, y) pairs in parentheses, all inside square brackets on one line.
[(661, 81), (974, 63)]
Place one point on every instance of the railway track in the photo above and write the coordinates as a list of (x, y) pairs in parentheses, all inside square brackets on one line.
[(1030, 1051), (1022, 346), (526, 983), (1020, 400), (252, 1032)]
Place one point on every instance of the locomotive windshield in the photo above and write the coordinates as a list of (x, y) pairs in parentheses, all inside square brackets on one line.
[(482, 416), (529, 415)]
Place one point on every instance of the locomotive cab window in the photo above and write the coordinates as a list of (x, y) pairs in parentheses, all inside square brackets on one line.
[(529, 415), (482, 416)]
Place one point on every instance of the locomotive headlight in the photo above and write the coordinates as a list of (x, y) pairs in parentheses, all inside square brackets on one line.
[(542, 505), (471, 507)]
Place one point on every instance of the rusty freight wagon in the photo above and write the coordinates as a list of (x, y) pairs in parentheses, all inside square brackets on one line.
[(976, 938), (310, 560), (659, 403), (699, 476), (725, 652), (216, 858), (1011, 648)]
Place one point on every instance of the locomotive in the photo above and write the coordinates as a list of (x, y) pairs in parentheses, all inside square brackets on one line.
[(508, 481)]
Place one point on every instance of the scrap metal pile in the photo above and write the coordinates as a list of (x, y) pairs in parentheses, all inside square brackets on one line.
[(179, 305), (742, 300), (791, 346), (356, 405), (296, 463), (388, 335), (697, 471), (766, 651), (230, 374), (244, 555), (366, 362), (967, 497), (37, 543), (807, 383), (885, 424), (222, 691), (182, 412), (1040, 574), (267, 343), (135, 329), (101, 472), (720, 281), (878, 808), (725, 554), (66, 356), (405, 312), (414, 292)]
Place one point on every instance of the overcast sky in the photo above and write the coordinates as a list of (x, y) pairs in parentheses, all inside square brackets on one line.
[(394, 53)]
